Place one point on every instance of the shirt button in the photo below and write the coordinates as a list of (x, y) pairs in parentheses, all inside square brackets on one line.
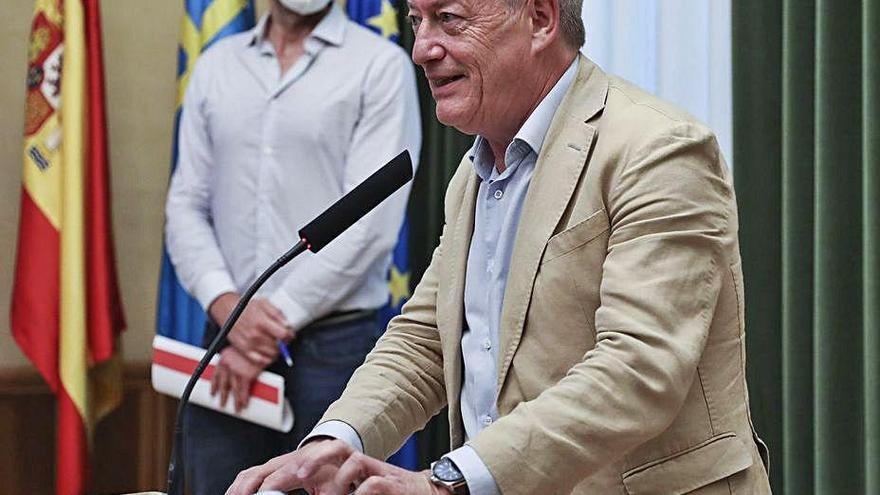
[(486, 420), (499, 193), (487, 344)]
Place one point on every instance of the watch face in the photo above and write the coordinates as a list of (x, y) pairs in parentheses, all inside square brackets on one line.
[(445, 470)]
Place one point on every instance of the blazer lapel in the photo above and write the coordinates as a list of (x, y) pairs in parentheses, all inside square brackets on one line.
[(451, 294), (561, 162)]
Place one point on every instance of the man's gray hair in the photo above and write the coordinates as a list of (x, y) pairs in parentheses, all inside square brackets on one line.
[(570, 22)]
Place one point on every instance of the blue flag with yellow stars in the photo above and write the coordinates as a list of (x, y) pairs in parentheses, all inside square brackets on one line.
[(179, 316), (381, 17)]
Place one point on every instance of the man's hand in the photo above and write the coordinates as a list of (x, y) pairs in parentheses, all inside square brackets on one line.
[(368, 476), (332, 467), (314, 464), (234, 373), (257, 331)]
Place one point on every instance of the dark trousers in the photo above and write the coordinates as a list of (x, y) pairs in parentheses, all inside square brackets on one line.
[(218, 447)]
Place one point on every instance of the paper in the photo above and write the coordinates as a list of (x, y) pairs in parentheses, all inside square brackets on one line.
[(174, 362)]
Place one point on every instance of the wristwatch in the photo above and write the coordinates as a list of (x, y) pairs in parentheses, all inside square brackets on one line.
[(446, 474)]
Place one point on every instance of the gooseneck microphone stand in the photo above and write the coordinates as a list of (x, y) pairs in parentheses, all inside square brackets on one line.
[(175, 472)]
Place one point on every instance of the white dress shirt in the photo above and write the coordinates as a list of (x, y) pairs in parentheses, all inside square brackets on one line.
[(262, 153)]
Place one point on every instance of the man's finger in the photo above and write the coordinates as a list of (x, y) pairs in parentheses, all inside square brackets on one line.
[(283, 479), (272, 311), (248, 481), (351, 473), (242, 392), (378, 485), (236, 339), (274, 329), (250, 337), (259, 358), (258, 348), (284, 469), (321, 481), (215, 381), (267, 348), (333, 452), (349, 476), (223, 384)]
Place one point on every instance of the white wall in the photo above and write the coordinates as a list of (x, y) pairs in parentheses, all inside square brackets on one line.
[(679, 50)]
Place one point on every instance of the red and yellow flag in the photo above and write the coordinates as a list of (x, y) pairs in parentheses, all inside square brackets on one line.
[(66, 311)]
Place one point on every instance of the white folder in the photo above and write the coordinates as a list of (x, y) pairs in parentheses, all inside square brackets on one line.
[(174, 362)]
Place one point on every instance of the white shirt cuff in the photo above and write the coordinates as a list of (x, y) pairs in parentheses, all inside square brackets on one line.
[(479, 479), (212, 285), (295, 315), (339, 430)]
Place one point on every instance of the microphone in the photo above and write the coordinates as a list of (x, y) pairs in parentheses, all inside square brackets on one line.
[(360, 200), (314, 237)]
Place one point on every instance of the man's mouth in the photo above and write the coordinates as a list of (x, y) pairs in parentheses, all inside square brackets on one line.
[(444, 81)]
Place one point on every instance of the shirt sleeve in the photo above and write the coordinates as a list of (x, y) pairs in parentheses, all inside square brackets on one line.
[(389, 124), (478, 477), (189, 234), (339, 430)]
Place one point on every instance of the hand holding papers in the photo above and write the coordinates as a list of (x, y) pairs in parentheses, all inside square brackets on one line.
[(174, 362)]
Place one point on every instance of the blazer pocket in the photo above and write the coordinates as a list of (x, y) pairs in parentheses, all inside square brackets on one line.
[(713, 460), (577, 235)]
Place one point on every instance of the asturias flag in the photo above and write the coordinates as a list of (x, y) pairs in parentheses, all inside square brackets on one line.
[(180, 316), (381, 17), (66, 311)]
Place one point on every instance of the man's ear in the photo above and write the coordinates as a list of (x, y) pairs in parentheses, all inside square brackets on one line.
[(545, 23)]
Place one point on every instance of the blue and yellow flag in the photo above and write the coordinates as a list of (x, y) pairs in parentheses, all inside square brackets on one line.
[(381, 17), (180, 317)]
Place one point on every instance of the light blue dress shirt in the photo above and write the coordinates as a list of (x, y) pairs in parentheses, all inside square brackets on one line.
[(500, 201)]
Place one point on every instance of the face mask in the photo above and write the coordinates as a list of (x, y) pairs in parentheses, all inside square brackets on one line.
[(305, 7)]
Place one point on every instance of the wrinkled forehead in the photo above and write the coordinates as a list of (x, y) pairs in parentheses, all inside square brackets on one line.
[(428, 5)]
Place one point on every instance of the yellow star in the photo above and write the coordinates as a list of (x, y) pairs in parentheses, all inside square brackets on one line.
[(386, 21), (398, 286)]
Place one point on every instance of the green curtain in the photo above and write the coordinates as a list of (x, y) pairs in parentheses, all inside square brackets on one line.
[(807, 171), (442, 149)]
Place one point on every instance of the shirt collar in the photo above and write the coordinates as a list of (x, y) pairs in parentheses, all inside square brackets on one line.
[(331, 29), (533, 131)]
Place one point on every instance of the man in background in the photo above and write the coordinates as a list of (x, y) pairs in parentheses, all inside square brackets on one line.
[(277, 124), (582, 315)]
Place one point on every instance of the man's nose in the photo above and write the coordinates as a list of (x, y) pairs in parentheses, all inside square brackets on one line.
[(427, 46)]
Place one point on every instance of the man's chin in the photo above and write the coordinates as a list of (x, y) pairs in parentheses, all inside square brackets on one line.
[(453, 117)]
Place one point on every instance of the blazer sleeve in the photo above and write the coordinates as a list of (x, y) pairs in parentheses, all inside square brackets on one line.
[(669, 206)]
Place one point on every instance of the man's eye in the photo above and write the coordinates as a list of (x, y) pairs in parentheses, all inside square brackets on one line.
[(415, 21), (445, 17)]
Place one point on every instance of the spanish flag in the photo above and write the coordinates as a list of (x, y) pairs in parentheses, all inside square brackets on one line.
[(66, 312)]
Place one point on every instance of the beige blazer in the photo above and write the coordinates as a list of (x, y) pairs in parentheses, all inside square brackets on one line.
[(622, 361)]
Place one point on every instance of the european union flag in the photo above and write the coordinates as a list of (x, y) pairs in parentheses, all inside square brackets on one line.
[(179, 316), (381, 17)]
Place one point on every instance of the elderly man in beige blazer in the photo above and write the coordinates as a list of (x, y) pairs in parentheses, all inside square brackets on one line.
[(620, 347)]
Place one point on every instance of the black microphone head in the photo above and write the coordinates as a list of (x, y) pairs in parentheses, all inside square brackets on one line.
[(358, 202)]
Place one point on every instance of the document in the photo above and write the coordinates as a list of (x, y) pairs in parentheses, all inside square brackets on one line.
[(173, 364)]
